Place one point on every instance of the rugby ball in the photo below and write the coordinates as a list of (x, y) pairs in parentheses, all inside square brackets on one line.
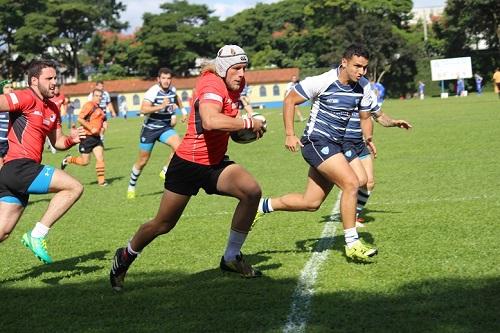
[(248, 135)]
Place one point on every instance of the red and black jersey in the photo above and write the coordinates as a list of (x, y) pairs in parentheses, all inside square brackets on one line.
[(58, 100), (31, 119), (199, 145)]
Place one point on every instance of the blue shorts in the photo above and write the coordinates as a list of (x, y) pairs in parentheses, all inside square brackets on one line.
[(22, 177), (353, 149), (317, 150), (150, 136)]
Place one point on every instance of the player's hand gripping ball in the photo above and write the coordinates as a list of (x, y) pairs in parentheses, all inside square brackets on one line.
[(247, 135)]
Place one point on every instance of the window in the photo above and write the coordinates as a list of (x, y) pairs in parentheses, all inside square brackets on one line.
[(136, 100), (276, 90), (262, 91), (76, 103), (184, 96)]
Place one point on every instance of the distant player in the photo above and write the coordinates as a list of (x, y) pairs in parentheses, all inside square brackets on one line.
[(478, 79), (421, 89), (460, 87), (59, 100), (380, 92), (160, 105), (289, 87), (201, 163), (5, 88), (105, 105), (91, 117), (34, 117), (245, 100)]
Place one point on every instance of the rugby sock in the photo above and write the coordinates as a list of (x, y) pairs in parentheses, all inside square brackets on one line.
[(363, 196), (265, 205), (129, 255), (351, 236), (40, 230), (234, 244), (134, 175), (164, 170), (99, 170), (75, 160)]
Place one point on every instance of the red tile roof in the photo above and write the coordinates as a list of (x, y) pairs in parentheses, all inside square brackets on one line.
[(278, 75)]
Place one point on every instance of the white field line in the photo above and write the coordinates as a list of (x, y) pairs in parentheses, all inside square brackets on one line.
[(301, 299)]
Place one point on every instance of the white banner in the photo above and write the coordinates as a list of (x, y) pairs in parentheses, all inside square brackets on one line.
[(451, 69)]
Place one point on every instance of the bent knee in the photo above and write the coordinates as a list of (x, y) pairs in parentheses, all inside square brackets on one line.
[(251, 193)]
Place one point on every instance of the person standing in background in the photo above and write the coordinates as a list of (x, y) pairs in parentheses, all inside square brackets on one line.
[(479, 83), (421, 89), (496, 81)]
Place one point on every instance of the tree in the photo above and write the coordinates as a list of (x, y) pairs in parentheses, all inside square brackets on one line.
[(63, 27), (173, 38)]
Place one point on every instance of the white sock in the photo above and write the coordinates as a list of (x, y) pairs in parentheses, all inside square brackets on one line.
[(165, 168), (131, 251), (40, 230), (134, 175), (351, 236), (265, 206), (234, 244)]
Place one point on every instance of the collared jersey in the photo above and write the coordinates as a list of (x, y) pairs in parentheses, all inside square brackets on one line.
[(31, 120), (156, 95), (199, 145), (333, 103)]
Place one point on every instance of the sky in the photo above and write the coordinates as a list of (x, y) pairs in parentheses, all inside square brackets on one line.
[(222, 8)]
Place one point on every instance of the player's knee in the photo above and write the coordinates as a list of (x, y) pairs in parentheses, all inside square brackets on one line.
[(362, 181), (350, 186), (252, 192), (77, 190)]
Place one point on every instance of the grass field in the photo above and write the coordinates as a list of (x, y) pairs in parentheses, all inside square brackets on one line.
[(433, 216)]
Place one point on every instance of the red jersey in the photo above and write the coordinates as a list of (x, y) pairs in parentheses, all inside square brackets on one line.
[(58, 100), (199, 145), (31, 120)]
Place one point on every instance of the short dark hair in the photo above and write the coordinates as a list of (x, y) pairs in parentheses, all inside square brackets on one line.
[(356, 50), (35, 68), (99, 82), (165, 70), (93, 91)]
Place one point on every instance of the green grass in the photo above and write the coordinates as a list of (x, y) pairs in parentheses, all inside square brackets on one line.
[(433, 216)]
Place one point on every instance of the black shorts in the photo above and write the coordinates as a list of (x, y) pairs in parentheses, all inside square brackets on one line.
[(89, 143), (317, 150), (17, 176), (186, 178), (353, 149)]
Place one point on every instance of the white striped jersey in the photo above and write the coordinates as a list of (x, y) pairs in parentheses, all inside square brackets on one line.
[(156, 95), (4, 126), (333, 103), (353, 129)]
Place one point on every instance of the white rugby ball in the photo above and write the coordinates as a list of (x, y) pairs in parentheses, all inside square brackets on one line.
[(247, 135)]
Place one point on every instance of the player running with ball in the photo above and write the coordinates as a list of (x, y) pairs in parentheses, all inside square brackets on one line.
[(201, 162)]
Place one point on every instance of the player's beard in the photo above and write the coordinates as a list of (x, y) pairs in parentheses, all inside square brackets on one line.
[(45, 91)]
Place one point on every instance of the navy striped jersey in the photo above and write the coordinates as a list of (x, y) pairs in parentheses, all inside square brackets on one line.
[(4, 127), (156, 95), (353, 129), (333, 103)]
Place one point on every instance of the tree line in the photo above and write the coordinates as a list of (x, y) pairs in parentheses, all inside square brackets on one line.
[(83, 35)]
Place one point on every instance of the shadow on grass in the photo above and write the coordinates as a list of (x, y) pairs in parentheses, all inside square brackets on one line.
[(108, 180), (207, 301), (64, 269)]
